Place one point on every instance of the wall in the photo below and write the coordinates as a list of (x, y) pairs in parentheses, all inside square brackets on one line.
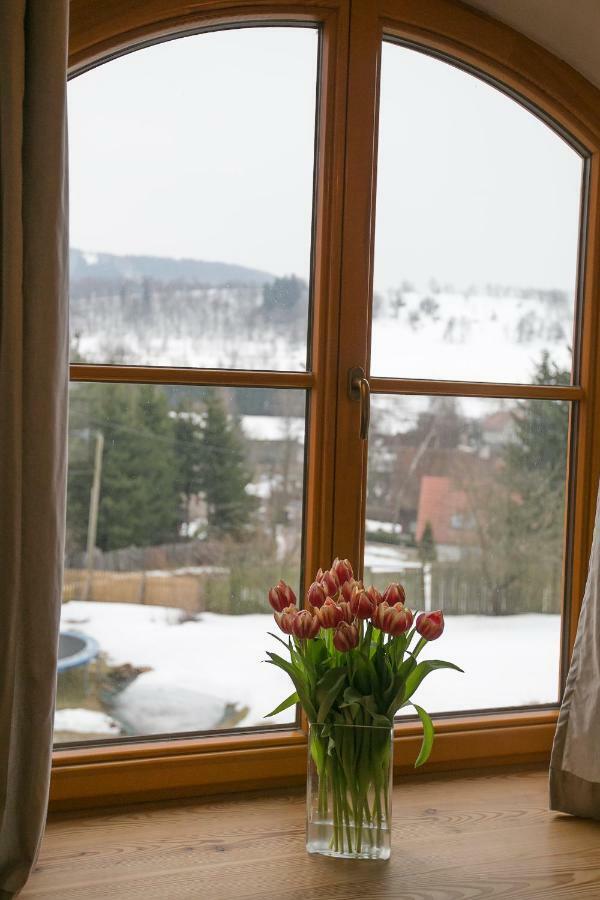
[(568, 28)]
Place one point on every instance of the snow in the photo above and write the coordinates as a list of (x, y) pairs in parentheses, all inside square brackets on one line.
[(472, 337), (273, 428), (203, 670), (85, 721), (387, 558), (482, 334), (387, 527)]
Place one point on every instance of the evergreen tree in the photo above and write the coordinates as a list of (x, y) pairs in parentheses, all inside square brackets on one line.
[(157, 493), (426, 546), (535, 475), (520, 512), (188, 447), (140, 504), (223, 474)]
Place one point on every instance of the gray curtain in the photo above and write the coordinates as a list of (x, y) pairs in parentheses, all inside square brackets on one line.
[(33, 404), (575, 763)]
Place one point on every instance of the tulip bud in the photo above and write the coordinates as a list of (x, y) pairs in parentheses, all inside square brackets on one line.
[(305, 625), (378, 617), (316, 595), (398, 619), (343, 570), (375, 595), (346, 614), (345, 637), (361, 604), (329, 583), (330, 614), (430, 625), (394, 593), (285, 618), (348, 588), (281, 596)]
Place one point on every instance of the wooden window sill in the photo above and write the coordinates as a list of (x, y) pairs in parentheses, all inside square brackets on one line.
[(140, 772), (477, 834)]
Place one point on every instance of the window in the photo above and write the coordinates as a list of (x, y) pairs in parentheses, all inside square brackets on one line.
[(190, 247), (229, 267)]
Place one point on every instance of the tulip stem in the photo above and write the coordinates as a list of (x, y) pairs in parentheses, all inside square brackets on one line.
[(419, 647)]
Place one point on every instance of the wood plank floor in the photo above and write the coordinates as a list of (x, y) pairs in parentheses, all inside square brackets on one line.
[(462, 838)]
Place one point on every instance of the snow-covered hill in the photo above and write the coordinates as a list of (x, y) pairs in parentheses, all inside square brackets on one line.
[(154, 311)]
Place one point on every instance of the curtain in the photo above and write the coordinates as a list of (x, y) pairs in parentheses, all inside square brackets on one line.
[(575, 763), (33, 406)]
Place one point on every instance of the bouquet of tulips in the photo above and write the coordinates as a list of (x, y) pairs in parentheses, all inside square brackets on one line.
[(353, 661)]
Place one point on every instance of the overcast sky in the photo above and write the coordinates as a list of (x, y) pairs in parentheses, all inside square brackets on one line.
[(203, 147)]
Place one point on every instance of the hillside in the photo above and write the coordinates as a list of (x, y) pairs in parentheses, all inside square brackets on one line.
[(108, 267), (160, 311)]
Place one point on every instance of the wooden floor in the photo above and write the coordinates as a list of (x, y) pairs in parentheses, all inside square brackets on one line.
[(462, 838)]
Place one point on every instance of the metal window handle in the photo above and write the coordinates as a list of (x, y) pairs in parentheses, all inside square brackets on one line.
[(359, 389)]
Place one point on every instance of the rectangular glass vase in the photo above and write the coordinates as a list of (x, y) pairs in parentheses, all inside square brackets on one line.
[(349, 791)]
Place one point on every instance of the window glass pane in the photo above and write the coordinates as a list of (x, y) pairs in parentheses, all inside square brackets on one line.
[(477, 229), (198, 511), (466, 502), (191, 177)]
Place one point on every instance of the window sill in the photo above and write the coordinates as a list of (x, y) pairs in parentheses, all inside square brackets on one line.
[(110, 776), (450, 834)]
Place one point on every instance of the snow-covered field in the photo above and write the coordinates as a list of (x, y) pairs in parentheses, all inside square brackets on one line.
[(202, 671)]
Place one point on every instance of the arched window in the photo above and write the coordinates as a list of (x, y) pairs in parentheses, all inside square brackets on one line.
[(259, 207)]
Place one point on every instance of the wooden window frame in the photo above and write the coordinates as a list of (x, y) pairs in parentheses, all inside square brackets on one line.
[(152, 769)]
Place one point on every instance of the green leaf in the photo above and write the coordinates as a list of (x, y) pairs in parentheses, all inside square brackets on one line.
[(299, 682), (285, 704), (397, 648), (286, 644), (428, 735), (328, 690), (421, 671), (394, 694)]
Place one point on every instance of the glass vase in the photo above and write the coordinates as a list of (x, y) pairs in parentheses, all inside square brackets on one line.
[(348, 791)]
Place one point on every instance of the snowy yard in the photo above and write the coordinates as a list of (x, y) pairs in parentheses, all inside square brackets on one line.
[(201, 670)]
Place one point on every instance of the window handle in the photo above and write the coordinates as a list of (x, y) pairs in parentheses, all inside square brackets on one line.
[(359, 389)]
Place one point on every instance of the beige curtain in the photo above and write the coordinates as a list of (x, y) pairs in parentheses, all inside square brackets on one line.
[(33, 403), (575, 764)]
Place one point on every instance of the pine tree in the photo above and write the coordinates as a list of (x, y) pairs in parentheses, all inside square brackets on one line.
[(223, 474), (188, 447), (159, 510), (426, 547), (140, 504)]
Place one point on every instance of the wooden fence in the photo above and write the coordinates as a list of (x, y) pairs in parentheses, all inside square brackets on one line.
[(182, 591)]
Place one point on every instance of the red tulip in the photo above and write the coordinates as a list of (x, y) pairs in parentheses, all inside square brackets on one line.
[(343, 570), (348, 588), (305, 625), (316, 595), (430, 625), (281, 596), (346, 613), (398, 619), (330, 583), (375, 595), (345, 637), (394, 593), (362, 605), (285, 618), (378, 617), (330, 615)]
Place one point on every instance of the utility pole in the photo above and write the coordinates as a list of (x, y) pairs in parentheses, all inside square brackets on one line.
[(93, 517)]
